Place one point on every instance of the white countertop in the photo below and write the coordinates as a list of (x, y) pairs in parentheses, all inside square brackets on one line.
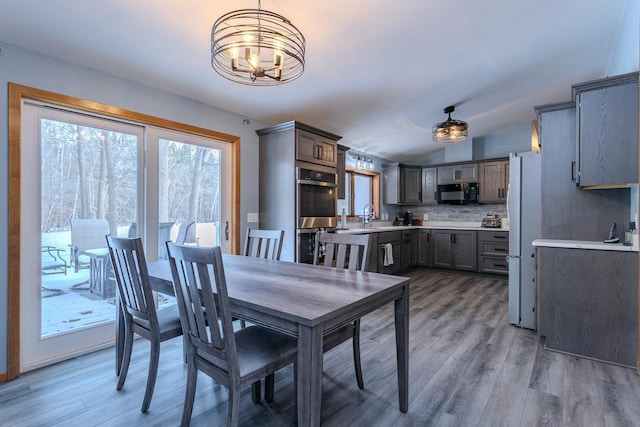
[(583, 244), (437, 225)]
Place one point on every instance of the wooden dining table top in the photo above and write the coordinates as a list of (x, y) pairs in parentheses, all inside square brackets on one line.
[(302, 293)]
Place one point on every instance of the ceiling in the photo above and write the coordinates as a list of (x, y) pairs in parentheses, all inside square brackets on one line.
[(376, 73)]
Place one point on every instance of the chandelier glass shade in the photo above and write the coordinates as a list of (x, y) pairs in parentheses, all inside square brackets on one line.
[(256, 47), (450, 130)]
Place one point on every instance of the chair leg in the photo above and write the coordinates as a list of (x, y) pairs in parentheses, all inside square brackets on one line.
[(154, 359), (256, 394), (356, 354), (234, 405), (190, 393), (269, 386), (126, 357)]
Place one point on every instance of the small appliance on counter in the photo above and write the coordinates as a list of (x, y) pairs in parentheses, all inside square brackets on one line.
[(491, 221)]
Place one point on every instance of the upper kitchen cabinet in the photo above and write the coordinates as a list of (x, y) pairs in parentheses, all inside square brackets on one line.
[(341, 169), (493, 179), (455, 174), (567, 211), (402, 184), (607, 140), (314, 147), (429, 187)]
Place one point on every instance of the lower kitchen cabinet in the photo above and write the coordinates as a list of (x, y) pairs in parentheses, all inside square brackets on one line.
[(588, 303), (493, 248), (395, 238), (406, 249), (425, 258), (456, 249)]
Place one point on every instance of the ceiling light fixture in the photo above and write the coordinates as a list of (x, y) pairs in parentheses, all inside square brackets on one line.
[(451, 130), (256, 47)]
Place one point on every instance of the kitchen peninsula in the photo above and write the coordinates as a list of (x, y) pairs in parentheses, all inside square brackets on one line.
[(588, 299)]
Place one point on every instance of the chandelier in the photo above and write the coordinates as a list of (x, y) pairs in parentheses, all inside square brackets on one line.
[(256, 47), (451, 130)]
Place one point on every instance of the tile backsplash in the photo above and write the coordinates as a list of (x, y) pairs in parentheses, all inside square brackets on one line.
[(467, 213)]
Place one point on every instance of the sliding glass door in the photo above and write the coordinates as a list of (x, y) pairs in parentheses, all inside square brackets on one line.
[(84, 177)]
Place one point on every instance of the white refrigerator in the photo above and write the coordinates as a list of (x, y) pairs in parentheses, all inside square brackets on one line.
[(524, 215)]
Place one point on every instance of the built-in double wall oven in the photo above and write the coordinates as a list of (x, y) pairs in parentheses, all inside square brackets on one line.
[(316, 206)]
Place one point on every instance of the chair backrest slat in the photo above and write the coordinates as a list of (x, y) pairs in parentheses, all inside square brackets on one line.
[(130, 268), (349, 251), (265, 244), (192, 268)]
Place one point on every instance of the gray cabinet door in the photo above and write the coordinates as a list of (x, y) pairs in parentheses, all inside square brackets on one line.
[(493, 181), (411, 184), (314, 148), (588, 303), (394, 268), (464, 250), (453, 174), (442, 248), (424, 248), (429, 188), (608, 135), (340, 171), (414, 248)]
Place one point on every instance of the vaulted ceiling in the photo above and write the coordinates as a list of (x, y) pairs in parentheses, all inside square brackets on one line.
[(379, 73)]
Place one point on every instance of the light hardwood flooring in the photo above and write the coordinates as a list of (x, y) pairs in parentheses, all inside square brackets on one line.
[(468, 367)]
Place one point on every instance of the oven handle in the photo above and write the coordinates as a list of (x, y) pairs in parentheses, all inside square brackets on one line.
[(318, 183)]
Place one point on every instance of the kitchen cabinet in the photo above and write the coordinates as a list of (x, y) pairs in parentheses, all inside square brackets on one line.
[(407, 258), (414, 248), (493, 180), (372, 262), (402, 184), (282, 148), (341, 158), (568, 212), (424, 248), (458, 173), (588, 303), (607, 140), (493, 248), (429, 186), (395, 238), (455, 249)]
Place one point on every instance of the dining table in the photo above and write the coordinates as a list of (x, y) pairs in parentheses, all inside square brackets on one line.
[(305, 301)]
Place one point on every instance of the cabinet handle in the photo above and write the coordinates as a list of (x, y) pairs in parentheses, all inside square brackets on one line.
[(573, 171), (428, 237), (500, 237), (500, 250)]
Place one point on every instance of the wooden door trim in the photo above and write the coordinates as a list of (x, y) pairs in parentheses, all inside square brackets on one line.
[(17, 94)]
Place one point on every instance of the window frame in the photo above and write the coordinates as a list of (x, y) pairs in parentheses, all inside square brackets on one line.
[(375, 189)]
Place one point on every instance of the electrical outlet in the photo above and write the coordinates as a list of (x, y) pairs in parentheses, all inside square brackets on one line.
[(425, 217), (253, 217)]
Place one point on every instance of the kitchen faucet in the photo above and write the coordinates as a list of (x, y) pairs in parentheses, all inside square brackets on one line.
[(368, 215)]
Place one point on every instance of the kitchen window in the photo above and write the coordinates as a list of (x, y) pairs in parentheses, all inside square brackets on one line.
[(361, 187)]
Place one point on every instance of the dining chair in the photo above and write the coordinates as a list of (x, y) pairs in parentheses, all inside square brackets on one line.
[(233, 359), (350, 251), (139, 310), (265, 244)]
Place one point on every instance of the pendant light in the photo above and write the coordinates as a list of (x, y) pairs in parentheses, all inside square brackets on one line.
[(450, 130), (256, 47)]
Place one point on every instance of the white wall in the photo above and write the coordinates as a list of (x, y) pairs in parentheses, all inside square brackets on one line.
[(624, 58), (29, 68)]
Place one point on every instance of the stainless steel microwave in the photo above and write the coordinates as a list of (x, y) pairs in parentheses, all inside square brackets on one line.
[(458, 194)]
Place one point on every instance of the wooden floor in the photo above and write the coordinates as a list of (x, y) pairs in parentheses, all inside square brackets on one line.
[(468, 367)]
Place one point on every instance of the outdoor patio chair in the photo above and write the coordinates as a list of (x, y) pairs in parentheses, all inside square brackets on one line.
[(52, 261), (87, 240)]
